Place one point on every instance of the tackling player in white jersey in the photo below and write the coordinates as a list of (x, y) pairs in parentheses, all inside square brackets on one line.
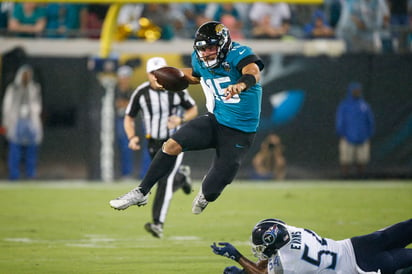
[(286, 249)]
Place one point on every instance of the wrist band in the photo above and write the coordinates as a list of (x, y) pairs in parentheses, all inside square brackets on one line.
[(132, 137), (248, 79)]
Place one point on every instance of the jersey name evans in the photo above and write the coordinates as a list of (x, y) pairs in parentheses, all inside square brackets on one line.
[(296, 240)]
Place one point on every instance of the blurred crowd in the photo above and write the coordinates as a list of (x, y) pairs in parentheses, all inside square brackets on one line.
[(362, 24)]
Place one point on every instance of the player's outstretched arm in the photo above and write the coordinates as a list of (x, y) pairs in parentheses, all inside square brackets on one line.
[(229, 251), (189, 114), (188, 75), (250, 76)]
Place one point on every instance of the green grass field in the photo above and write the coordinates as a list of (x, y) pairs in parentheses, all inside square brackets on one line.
[(69, 227)]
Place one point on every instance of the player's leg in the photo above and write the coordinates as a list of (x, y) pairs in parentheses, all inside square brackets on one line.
[(136, 196), (14, 158), (230, 151), (387, 261), (393, 260), (31, 160), (191, 136), (162, 201), (183, 179), (398, 235), (178, 181), (161, 165), (362, 157), (345, 156), (384, 249), (232, 147), (394, 239)]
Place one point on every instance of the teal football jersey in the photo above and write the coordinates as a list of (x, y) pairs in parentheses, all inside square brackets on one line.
[(242, 111)]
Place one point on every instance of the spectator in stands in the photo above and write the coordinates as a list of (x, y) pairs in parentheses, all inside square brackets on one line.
[(399, 22), (270, 21), (95, 18), (183, 26), (333, 9), (6, 8), (159, 14), (22, 106), (28, 19), (362, 23), (301, 15), (65, 20), (230, 16), (269, 162), (195, 15), (318, 27), (128, 21), (355, 125), (124, 90)]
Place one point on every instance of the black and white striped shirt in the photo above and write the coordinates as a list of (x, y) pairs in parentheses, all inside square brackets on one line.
[(156, 107)]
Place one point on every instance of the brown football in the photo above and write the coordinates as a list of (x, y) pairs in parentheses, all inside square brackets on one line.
[(171, 78)]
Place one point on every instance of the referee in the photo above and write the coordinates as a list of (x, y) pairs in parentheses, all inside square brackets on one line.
[(163, 112)]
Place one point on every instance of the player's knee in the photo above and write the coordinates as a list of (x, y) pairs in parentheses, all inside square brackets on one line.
[(171, 147)]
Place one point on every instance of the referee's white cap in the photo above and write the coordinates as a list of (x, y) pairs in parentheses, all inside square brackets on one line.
[(155, 63)]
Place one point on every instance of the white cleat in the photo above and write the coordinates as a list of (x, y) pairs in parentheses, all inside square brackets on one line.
[(199, 203), (133, 197)]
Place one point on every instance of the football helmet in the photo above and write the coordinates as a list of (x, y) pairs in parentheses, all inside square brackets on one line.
[(268, 236), (212, 33)]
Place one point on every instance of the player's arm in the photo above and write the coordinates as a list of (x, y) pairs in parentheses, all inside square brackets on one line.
[(16, 26), (229, 251), (188, 75), (250, 76), (189, 114), (129, 128)]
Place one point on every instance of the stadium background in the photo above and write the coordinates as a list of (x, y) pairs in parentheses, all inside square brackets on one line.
[(72, 100), (303, 83)]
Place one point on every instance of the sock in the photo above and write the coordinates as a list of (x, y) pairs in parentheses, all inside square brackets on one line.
[(161, 165)]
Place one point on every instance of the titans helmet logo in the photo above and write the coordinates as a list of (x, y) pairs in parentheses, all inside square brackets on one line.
[(269, 237)]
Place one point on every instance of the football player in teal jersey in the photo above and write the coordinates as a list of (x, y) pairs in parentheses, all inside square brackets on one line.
[(229, 74)]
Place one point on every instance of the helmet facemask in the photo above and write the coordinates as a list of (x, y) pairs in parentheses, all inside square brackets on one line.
[(200, 47)]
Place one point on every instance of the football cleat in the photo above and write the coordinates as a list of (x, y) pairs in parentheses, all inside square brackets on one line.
[(199, 203), (133, 197), (155, 230)]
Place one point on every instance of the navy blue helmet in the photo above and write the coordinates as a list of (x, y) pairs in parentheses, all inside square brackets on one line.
[(268, 236)]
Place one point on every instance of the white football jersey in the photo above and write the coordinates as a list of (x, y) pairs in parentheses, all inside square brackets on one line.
[(308, 253)]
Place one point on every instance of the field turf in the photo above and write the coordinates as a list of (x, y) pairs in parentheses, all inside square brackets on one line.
[(69, 227)]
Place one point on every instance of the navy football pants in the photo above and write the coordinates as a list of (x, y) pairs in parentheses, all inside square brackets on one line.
[(385, 249)]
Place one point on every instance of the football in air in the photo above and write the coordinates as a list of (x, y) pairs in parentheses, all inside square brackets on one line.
[(171, 78)]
